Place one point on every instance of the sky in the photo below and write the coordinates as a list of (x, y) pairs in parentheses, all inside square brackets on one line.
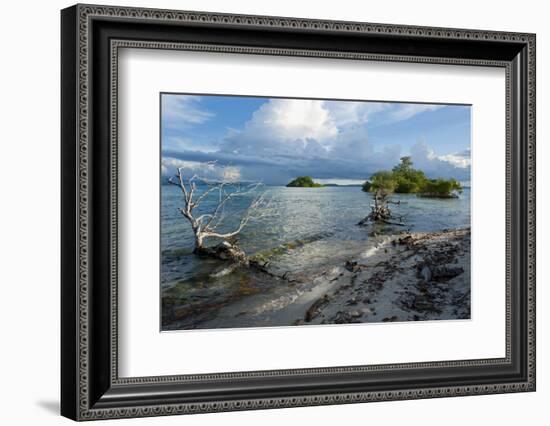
[(274, 140)]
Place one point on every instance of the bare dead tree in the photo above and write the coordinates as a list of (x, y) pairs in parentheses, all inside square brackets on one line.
[(208, 225), (380, 210)]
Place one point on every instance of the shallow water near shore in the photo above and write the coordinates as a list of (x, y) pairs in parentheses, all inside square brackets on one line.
[(311, 230)]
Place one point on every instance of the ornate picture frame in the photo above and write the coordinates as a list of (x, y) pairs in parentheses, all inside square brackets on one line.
[(90, 41)]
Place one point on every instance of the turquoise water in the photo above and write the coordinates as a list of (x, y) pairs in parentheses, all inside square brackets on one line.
[(316, 225)]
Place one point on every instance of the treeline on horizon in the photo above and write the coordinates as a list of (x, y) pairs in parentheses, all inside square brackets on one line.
[(401, 179), (404, 179)]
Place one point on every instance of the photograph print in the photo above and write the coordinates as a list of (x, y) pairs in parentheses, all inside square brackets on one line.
[(293, 212)]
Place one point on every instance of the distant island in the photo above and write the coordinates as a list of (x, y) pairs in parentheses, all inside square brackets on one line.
[(404, 179), (304, 182)]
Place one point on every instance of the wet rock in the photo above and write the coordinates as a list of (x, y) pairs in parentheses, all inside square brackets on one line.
[(406, 240), (226, 251), (299, 278), (315, 309), (352, 301), (426, 273), (343, 317), (352, 266), (445, 272), (356, 314), (423, 287), (364, 222), (424, 303)]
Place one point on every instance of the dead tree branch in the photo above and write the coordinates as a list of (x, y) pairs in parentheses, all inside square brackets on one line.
[(209, 224)]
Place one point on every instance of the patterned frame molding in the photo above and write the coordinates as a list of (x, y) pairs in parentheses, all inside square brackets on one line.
[(116, 45), (78, 337)]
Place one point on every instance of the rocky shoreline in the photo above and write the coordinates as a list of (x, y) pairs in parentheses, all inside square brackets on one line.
[(410, 277), (398, 277)]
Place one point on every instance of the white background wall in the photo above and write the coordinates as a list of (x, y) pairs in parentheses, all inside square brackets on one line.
[(29, 212)]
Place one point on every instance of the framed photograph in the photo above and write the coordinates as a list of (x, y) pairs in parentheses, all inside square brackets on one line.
[(263, 212)]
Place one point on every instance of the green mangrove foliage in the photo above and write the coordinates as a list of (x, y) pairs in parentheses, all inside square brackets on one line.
[(440, 188), (366, 186), (304, 182), (404, 179)]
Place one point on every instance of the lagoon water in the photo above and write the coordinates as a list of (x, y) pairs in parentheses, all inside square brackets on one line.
[(308, 228)]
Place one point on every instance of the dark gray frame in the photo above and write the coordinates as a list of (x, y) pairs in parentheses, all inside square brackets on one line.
[(91, 38)]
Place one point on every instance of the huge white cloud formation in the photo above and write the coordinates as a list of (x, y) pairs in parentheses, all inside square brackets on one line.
[(289, 137)]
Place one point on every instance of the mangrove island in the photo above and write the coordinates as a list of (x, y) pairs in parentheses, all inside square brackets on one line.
[(304, 182), (404, 179)]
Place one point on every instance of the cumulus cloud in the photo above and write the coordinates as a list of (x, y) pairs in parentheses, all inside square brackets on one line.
[(302, 135), (349, 113), (402, 112), (183, 111), (459, 159), (315, 127), (294, 119), (283, 126), (208, 170), (439, 166), (231, 174), (285, 138)]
